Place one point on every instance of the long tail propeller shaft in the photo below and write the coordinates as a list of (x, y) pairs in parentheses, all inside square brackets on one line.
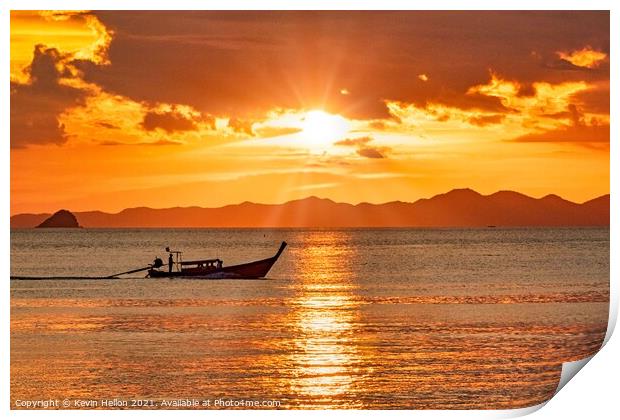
[(130, 271)]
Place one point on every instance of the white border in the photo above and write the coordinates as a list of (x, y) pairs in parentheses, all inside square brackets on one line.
[(593, 394)]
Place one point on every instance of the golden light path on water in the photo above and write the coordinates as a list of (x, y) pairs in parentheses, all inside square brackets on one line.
[(349, 319), (327, 358)]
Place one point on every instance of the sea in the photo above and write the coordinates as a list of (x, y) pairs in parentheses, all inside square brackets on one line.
[(346, 318)]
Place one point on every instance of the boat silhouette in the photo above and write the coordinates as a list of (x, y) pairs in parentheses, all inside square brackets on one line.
[(212, 268)]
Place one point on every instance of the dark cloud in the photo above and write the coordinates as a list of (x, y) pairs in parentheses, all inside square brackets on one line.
[(373, 152), (107, 125), (173, 121), (594, 100), (575, 115), (167, 121), (36, 106), (239, 63), (526, 89), (363, 148)]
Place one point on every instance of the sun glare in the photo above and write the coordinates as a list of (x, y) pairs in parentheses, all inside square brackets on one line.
[(320, 129)]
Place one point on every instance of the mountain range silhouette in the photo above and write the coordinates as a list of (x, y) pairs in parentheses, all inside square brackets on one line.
[(456, 208)]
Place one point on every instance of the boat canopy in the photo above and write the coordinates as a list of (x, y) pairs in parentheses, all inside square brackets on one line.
[(216, 260)]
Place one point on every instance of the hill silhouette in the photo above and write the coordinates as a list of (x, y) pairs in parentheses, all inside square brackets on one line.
[(60, 219), (457, 208)]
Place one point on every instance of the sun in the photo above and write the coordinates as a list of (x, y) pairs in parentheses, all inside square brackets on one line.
[(320, 129)]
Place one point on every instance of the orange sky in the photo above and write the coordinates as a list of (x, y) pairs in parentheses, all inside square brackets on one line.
[(122, 109)]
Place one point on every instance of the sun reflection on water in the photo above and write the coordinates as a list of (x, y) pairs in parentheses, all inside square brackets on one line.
[(326, 359)]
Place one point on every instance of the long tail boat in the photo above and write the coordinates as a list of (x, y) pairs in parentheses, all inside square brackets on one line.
[(212, 268)]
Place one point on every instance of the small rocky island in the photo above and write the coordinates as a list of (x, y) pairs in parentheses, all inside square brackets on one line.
[(60, 219)]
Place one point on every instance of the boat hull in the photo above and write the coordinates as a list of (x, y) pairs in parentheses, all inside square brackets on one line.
[(252, 270)]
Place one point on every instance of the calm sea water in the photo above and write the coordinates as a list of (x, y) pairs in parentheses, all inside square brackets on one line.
[(390, 318)]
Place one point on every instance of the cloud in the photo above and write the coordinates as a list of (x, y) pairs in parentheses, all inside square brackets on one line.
[(373, 152), (163, 143), (576, 116), (107, 125), (59, 15), (45, 84), (577, 128), (319, 186), (167, 121), (534, 112), (175, 119), (36, 106), (77, 35), (363, 148), (270, 131), (274, 124), (484, 120), (571, 134), (595, 99), (542, 99), (407, 116), (146, 49), (359, 141), (143, 143), (586, 57), (392, 123), (240, 125), (281, 57), (108, 119)]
